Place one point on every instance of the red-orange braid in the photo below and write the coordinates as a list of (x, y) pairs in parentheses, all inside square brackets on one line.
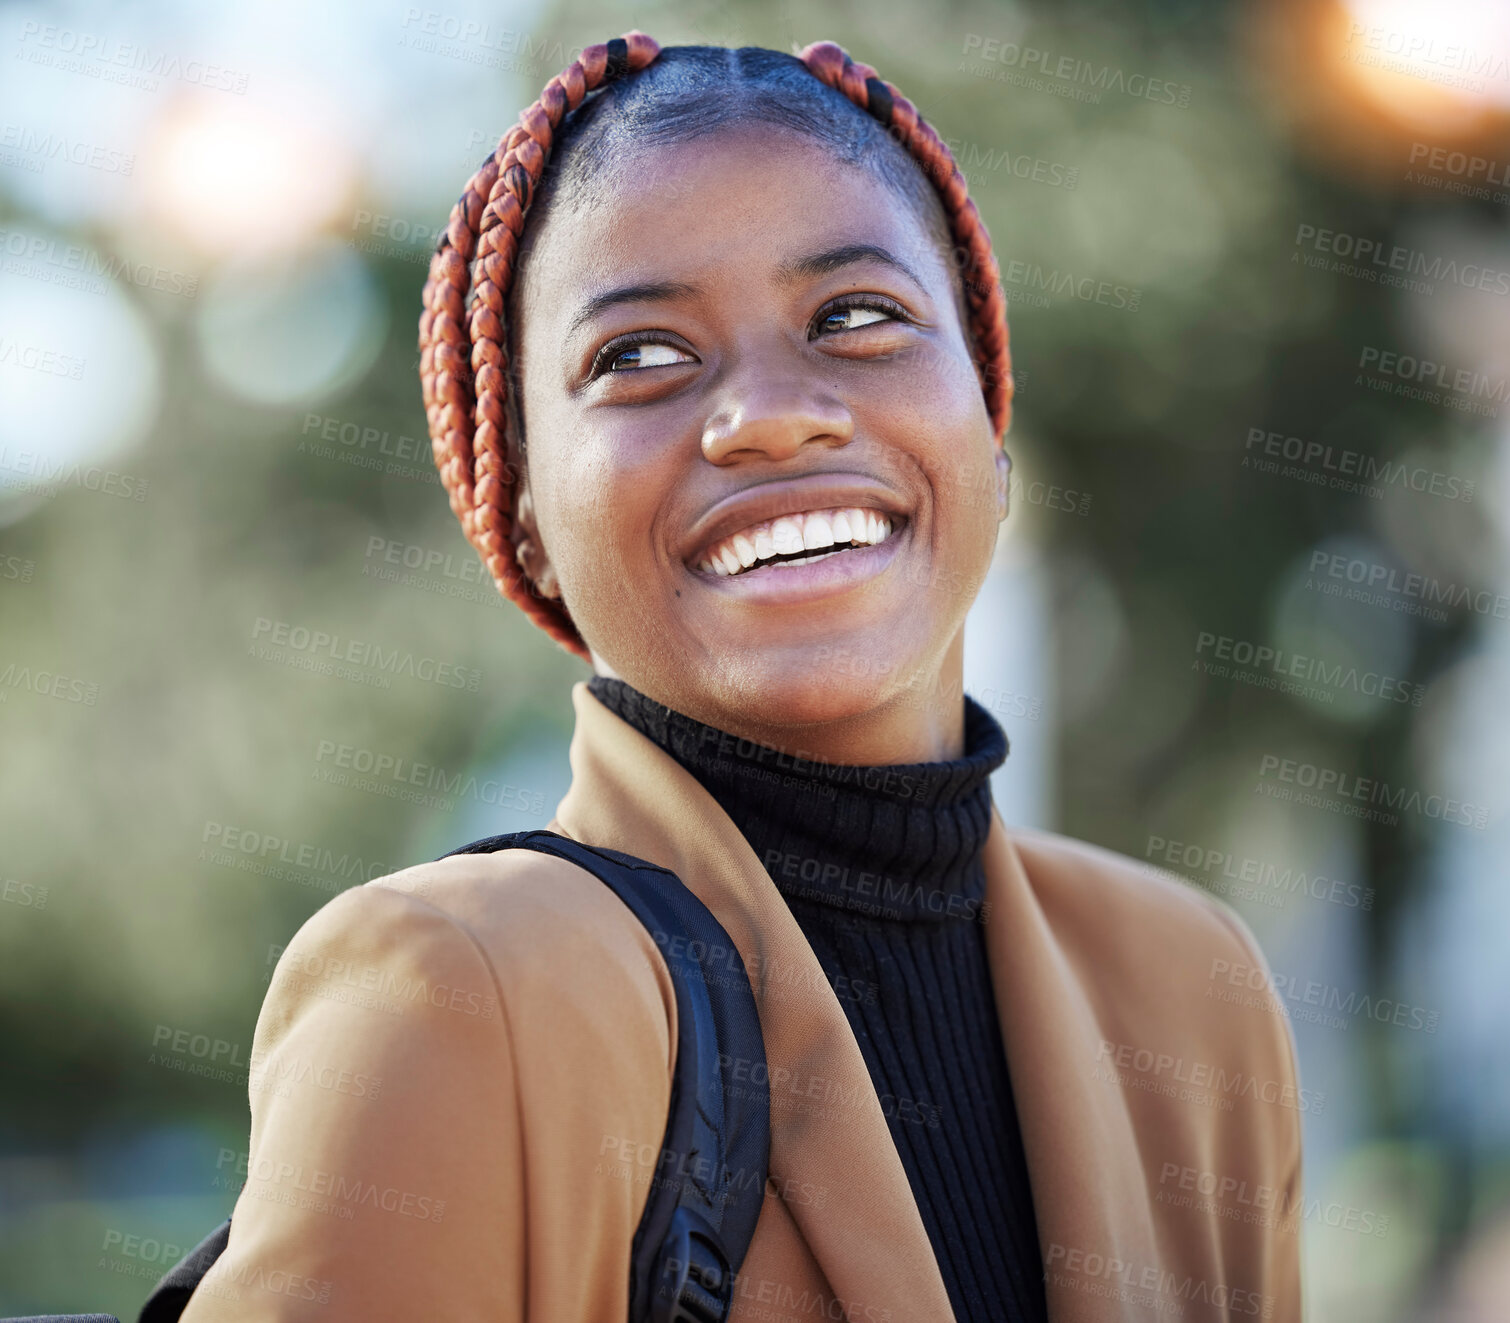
[(463, 364)]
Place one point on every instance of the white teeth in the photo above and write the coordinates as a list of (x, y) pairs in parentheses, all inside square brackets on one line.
[(789, 535), (817, 532), (786, 536)]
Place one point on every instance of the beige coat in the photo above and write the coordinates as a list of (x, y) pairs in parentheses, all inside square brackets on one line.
[(461, 1074)]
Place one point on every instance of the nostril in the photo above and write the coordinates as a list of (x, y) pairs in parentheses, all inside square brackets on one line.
[(776, 424)]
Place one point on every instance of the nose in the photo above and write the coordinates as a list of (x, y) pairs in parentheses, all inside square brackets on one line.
[(774, 417)]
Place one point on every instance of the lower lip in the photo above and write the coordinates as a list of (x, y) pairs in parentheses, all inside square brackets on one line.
[(818, 578)]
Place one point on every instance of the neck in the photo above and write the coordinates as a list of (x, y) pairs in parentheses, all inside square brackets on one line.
[(922, 722), (894, 841)]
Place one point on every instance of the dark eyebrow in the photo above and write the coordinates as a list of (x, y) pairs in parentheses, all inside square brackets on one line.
[(657, 292), (815, 264), (820, 264)]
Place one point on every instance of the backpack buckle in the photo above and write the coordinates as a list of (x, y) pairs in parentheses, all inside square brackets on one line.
[(696, 1282)]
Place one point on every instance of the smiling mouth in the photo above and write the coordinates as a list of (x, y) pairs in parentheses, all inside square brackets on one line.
[(797, 539)]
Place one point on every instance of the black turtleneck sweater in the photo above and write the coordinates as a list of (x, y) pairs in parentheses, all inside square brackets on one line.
[(881, 867)]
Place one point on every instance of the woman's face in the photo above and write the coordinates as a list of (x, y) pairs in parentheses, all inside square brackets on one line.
[(726, 344)]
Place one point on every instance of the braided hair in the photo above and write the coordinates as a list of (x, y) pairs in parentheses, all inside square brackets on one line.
[(466, 344)]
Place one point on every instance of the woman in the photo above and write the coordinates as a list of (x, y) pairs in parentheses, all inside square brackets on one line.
[(715, 359)]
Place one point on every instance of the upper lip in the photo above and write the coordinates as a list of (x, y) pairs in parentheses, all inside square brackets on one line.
[(784, 496)]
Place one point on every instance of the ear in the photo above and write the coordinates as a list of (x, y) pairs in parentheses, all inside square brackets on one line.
[(529, 551), (1003, 482)]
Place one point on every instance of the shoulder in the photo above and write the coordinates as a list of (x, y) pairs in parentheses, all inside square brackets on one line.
[(1174, 975), (1097, 897), (517, 937), (442, 1059)]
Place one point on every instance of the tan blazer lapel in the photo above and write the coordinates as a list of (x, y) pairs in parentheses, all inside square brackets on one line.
[(827, 1128), (1089, 1191)]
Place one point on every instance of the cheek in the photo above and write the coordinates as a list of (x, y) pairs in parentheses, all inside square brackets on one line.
[(935, 412), (595, 514), (945, 425)]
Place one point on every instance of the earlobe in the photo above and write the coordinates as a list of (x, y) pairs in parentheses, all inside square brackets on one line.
[(1003, 483), (528, 551)]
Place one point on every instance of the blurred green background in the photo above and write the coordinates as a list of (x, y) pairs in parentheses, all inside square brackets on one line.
[(1253, 253)]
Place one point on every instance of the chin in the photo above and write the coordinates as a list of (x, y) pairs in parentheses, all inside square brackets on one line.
[(816, 683)]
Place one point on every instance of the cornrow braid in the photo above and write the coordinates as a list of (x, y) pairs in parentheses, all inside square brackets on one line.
[(464, 366)]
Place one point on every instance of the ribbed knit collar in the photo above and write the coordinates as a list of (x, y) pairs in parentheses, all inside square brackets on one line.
[(897, 842)]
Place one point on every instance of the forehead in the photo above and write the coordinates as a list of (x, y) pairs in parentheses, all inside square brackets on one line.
[(739, 202)]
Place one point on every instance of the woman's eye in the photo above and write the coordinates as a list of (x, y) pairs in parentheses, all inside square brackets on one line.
[(848, 319), (647, 355)]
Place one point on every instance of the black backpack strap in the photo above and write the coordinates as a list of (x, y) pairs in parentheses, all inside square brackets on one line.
[(172, 1293), (62, 1318), (706, 1196)]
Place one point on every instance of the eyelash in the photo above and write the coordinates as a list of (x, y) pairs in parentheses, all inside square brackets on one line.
[(606, 355), (875, 302), (850, 302)]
